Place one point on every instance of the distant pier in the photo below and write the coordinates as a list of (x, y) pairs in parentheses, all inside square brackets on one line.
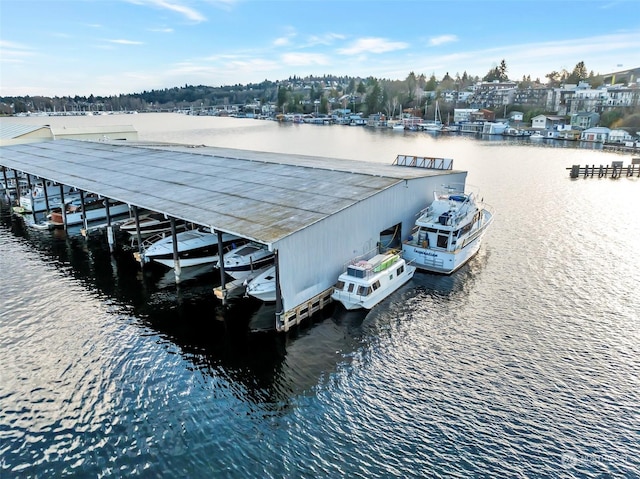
[(615, 170)]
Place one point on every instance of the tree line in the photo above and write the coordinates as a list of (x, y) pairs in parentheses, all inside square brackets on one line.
[(295, 94)]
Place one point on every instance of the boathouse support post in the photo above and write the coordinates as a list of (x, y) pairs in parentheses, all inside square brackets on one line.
[(46, 195), (107, 210), (63, 208), (6, 182), (223, 289), (136, 217), (176, 259), (279, 309), (31, 198), (15, 177), (84, 211)]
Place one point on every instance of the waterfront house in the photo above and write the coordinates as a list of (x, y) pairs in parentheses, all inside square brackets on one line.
[(548, 122), (463, 114), (619, 136), (584, 119), (516, 117), (598, 134)]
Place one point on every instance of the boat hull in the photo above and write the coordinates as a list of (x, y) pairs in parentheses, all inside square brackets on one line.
[(194, 248), (444, 262), (246, 260), (263, 286), (188, 262), (441, 261), (92, 215), (150, 225)]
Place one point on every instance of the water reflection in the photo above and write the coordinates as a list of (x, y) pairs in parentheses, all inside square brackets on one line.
[(217, 340)]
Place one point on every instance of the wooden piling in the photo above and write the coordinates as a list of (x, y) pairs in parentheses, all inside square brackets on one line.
[(614, 171)]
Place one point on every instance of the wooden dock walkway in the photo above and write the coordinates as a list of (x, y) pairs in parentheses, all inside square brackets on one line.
[(615, 170)]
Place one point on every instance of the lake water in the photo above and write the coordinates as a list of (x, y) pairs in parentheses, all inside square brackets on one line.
[(525, 363)]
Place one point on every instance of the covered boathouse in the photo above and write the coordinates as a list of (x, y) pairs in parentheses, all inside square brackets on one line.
[(316, 213)]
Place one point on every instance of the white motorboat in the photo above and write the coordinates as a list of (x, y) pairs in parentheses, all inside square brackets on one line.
[(195, 247), (367, 282), (263, 286), (34, 200), (150, 224), (242, 261), (94, 209), (449, 231)]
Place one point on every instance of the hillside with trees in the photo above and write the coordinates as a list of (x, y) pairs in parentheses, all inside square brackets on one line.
[(416, 93)]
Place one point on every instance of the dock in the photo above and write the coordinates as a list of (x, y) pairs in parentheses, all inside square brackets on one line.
[(615, 170)]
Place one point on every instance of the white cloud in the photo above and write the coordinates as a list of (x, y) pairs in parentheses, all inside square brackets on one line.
[(372, 45), (281, 42), (14, 52), (442, 39), (188, 12), (302, 59), (161, 30), (125, 42), (285, 39), (324, 39)]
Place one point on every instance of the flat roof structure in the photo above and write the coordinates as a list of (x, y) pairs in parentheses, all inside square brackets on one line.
[(316, 213), (257, 195)]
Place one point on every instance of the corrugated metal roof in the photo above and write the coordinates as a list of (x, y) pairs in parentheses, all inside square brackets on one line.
[(258, 195), (9, 131)]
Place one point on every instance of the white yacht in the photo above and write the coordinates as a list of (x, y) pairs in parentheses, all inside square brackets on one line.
[(367, 282), (449, 231), (195, 247)]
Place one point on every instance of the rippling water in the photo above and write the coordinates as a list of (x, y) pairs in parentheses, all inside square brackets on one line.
[(525, 363)]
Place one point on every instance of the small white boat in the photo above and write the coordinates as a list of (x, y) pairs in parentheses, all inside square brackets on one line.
[(195, 247), (367, 282), (263, 286), (449, 231), (150, 224), (34, 200), (94, 209), (536, 136), (244, 260)]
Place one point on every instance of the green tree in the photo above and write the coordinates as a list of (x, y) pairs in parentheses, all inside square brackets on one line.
[(502, 71), (578, 74), (447, 82), (352, 86), (411, 83), (374, 97), (432, 84), (283, 96)]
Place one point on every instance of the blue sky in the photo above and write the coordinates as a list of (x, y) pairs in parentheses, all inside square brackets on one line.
[(109, 47)]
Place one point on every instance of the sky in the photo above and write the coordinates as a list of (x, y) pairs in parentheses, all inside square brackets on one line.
[(112, 47)]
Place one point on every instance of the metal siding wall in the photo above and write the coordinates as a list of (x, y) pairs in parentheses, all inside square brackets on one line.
[(312, 259)]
